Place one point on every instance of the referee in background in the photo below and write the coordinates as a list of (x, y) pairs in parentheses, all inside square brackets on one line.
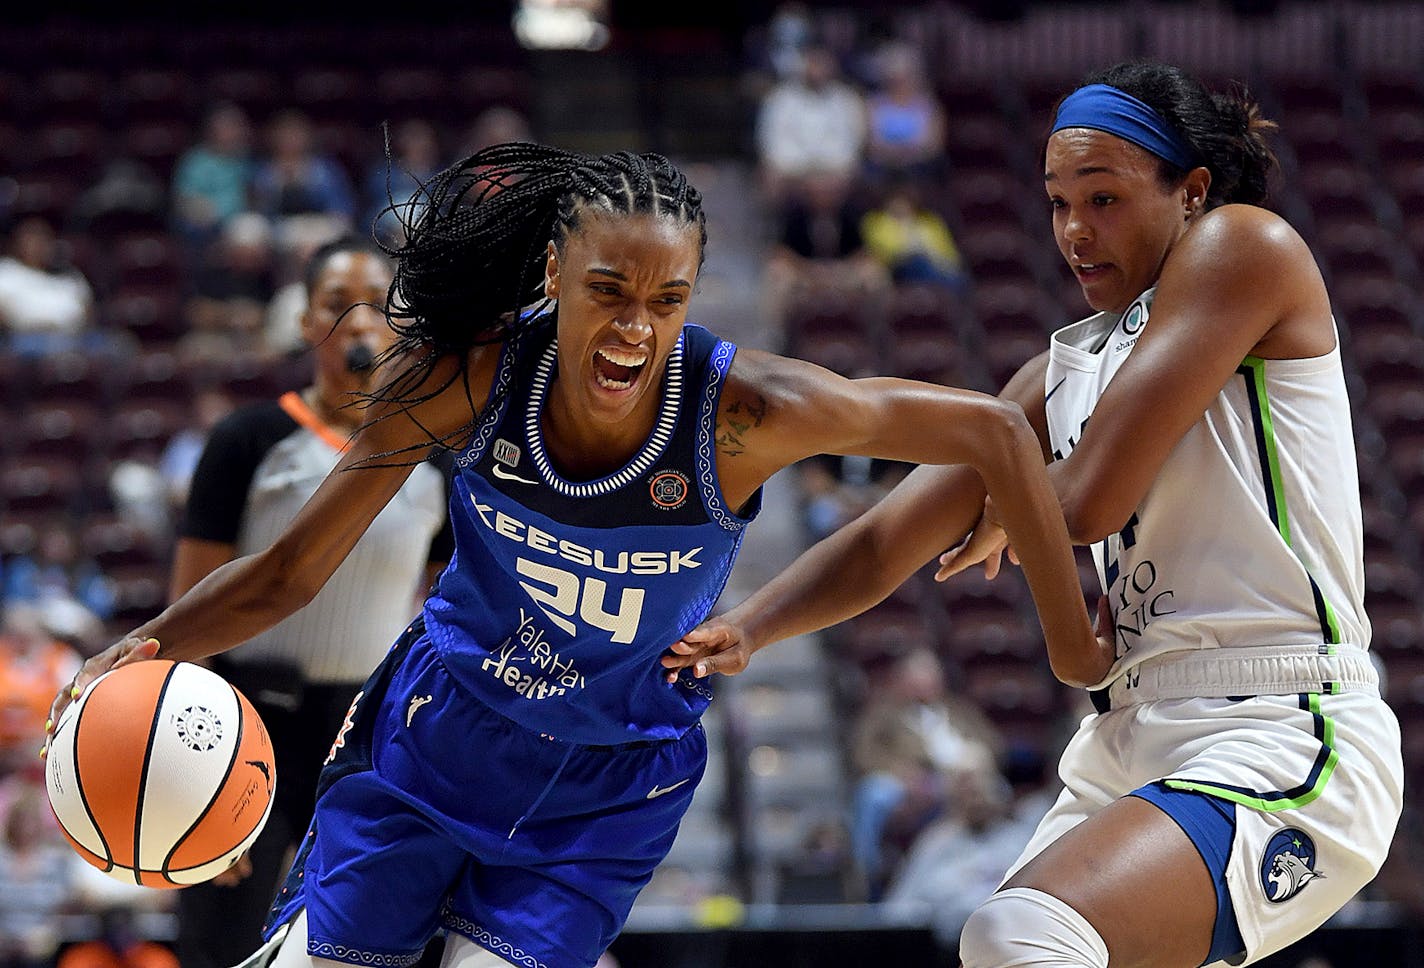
[(258, 468)]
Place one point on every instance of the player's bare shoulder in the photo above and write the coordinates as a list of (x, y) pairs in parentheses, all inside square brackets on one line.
[(1243, 235)]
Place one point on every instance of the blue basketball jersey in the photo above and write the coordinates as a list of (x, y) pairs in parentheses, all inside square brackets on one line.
[(562, 595)]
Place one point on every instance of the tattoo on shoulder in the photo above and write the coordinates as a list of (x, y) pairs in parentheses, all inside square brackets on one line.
[(736, 420)]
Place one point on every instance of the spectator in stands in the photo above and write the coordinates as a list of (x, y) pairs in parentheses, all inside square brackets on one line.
[(118, 944), (959, 860), (33, 664), (231, 289), (789, 34), (42, 879), (911, 744), (911, 240), (57, 568), (35, 888), (905, 126), (397, 180), (211, 179), (821, 254), (304, 191), (810, 124), (180, 456), (127, 196), (46, 306), (260, 465)]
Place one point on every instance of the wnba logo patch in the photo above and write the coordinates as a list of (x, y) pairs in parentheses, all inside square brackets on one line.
[(199, 729), (1288, 864), (506, 453), (669, 489)]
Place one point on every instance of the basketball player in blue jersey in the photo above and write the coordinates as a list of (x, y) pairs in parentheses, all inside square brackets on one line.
[(519, 763), (1242, 778)]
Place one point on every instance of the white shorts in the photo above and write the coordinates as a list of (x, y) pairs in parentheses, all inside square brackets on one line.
[(1317, 781)]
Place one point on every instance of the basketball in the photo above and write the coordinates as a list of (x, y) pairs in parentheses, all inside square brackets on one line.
[(161, 773)]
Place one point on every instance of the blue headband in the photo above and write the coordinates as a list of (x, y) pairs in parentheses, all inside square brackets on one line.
[(1105, 108)]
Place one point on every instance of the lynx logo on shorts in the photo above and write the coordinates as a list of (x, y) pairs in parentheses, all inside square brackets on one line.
[(1288, 864), (669, 490)]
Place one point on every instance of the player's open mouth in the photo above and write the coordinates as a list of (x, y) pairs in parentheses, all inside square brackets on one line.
[(1090, 270), (618, 368)]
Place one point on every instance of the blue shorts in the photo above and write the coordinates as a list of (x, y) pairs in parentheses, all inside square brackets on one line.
[(1210, 822), (435, 811)]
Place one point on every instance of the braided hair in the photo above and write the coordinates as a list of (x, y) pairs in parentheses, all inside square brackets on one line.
[(470, 270)]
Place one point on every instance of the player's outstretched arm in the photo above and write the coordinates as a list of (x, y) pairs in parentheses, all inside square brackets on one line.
[(250, 594), (803, 410)]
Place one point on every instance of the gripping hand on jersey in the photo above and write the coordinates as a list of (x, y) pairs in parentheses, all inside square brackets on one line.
[(986, 543), (717, 645)]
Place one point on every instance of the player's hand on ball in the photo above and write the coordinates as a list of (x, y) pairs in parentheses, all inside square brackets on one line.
[(129, 649), (717, 645)]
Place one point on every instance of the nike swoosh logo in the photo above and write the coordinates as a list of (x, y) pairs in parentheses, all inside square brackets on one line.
[(658, 791), (1055, 389), (505, 475)]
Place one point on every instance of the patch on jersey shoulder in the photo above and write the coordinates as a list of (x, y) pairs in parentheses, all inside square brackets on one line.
[(669, 489), (506, 453), (1131, 323), (1288, 864)]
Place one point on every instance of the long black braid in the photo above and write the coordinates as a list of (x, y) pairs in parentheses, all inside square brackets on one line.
[(471, 269)]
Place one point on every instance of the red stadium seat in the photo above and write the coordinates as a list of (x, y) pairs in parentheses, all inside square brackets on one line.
[(155, 94), (45, 483), (68, 429), (151, 313), (141, 428), (77, 376)]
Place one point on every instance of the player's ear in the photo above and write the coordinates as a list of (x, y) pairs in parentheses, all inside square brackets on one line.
[(551, 272)]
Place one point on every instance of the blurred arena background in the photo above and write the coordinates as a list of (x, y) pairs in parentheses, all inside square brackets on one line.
[(867, 785)]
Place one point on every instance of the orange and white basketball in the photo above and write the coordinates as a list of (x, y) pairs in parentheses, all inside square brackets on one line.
[(161, 773)]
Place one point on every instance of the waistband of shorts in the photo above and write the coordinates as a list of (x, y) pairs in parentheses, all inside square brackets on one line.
[(1238, 671)]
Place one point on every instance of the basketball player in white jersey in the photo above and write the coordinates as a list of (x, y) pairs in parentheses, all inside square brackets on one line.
[(1241, 779)]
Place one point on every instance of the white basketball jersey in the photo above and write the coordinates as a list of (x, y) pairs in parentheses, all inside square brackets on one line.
[(1250, 538)]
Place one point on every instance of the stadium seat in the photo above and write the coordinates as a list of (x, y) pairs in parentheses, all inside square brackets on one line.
[(158, 143), (152, 313), (111, 543), (73, 375), (257, 91), (155, 94), (141, 428), (156, 374), (40, 483), (66, 429), (71, 94)]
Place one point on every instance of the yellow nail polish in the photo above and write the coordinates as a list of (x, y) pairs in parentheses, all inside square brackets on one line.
[(49, 725), (74, 693), (42, 752)]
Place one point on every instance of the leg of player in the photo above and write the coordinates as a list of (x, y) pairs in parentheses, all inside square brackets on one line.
[(291, 951), (461, 952), (1126, 883)]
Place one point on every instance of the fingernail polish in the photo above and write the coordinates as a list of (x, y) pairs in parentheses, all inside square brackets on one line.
[(49, 725)]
